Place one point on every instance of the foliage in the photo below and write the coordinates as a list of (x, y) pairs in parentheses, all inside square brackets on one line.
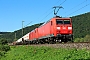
[(2, 53), (4, 32), (81, 25), (3, 41), (3, 47), (85, 39), (45, 53)]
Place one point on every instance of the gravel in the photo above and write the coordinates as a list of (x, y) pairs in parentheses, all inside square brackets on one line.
[(67, 45)]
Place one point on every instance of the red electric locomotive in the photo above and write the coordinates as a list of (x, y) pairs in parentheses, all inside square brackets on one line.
[(56, 29)]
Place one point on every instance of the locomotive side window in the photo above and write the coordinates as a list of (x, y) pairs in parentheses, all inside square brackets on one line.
[(51, 22), (66, 21)]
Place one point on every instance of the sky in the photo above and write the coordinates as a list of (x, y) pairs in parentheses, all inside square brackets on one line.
[(13, 12)]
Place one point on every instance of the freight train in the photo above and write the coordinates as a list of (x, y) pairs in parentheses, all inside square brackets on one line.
[(57, 29)]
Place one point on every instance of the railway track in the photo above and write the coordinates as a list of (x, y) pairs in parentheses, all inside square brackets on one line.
[(82, 45)]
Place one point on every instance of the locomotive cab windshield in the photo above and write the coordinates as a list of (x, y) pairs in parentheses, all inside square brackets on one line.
[(58, 21)]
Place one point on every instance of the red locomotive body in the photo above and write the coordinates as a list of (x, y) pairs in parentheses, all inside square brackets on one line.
[(55, 30)]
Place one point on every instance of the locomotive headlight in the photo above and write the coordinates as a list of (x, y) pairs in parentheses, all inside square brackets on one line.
[(69, 28), (58, 28)]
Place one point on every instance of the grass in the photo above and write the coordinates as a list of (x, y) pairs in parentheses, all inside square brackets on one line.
[(45, 53)]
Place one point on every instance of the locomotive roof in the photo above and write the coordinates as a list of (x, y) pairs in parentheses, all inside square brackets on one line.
[(54, 17)]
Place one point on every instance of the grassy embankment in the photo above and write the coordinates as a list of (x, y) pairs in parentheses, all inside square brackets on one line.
[(45, 53)]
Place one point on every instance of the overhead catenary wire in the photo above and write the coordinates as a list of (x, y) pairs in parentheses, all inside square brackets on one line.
[(52, 11), (76, 6), (78, 9), (49, 12), (65, 12), (44, 14), (62, 2), (28, 24), (59, 5)]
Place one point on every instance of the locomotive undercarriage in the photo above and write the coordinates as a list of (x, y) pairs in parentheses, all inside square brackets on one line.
[(64, 38), (50, 40), (53, 40)]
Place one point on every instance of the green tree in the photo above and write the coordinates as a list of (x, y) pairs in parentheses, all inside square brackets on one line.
[(3, 41)]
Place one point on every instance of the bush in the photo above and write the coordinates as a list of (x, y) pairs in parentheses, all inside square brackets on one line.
[(2, 53), (77, 40), (3, 41), (85, 39), (4, 48)]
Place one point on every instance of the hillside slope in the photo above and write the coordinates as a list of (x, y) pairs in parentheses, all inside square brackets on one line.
[(81, 25), (11, 36), (4, 33)]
